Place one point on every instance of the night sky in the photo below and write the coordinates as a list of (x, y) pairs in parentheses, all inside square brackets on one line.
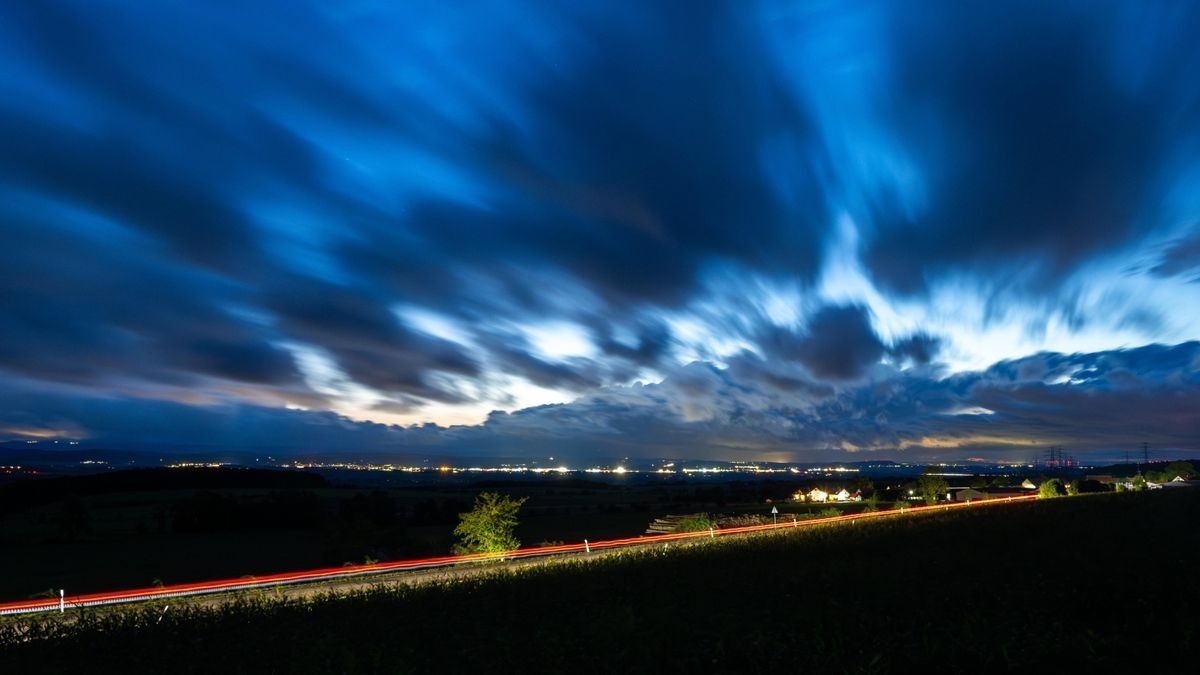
[(744, 230)]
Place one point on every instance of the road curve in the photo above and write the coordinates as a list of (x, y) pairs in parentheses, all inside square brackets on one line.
[(337, 573)]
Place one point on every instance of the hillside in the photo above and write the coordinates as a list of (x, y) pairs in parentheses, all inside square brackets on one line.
[(1068, 583), (33, 492)]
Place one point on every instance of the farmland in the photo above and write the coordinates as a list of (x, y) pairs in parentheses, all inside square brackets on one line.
[(196, 525), (1071, 582)]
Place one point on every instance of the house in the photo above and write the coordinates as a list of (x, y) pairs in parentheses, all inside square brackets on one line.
[(1028, 484), (969, 494), (842, 495), (818, 495)]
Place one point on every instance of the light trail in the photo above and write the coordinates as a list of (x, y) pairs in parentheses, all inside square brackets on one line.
[(335, 573)]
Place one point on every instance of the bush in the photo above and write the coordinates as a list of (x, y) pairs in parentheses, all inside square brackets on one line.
[(1051, 488), (489, 526), (695, 524)]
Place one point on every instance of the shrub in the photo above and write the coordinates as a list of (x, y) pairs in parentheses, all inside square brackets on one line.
[(1051, 488), (695, 524), (488, 527)]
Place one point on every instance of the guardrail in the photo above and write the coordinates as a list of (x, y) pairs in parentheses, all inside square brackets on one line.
[(63, 602)]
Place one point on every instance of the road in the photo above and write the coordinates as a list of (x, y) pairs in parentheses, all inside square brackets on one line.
[(458, 564)]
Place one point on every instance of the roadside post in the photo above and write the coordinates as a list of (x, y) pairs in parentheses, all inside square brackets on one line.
[(774, 515)]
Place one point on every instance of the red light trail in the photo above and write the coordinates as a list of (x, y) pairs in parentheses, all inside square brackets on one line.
[(333, 573)]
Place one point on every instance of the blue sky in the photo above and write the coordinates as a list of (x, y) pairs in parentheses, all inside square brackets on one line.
[(778, 230)]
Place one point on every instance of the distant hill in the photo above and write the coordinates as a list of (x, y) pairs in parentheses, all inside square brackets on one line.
[(27, 493)]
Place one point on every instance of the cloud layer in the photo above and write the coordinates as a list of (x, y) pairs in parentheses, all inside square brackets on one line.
[(1099, 405), (785, 223)]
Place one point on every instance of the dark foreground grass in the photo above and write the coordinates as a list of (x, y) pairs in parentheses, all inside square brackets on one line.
[(1096, 583)]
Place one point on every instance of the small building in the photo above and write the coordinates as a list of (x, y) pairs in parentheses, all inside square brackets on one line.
[(842, 495), (1028, 484), (818, 495), (1003, 493), (970, 495)]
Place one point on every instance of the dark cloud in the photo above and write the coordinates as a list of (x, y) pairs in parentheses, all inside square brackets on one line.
[(633, 178), (573, 375), (1181, 257), (651, 342), (1012, 410), (367, 340), (195, 204), (920, 349), (1043, 135), (117, 177), (322, 200), (1104, 402), (93, 313), (837, 343)]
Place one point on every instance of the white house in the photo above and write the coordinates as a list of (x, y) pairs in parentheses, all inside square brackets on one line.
[(842, 495), (818, 495)]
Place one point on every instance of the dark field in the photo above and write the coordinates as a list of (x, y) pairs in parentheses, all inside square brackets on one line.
[(112, 531), (1088, 583)]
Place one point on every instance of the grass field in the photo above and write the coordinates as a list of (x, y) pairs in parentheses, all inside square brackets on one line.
[(129, 539), (1068, 584)]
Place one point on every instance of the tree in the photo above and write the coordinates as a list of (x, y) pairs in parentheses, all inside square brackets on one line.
[(1183, 469), (932, 486), (488, 527), (1139, 483), (1073, 488), (1051, 488)]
